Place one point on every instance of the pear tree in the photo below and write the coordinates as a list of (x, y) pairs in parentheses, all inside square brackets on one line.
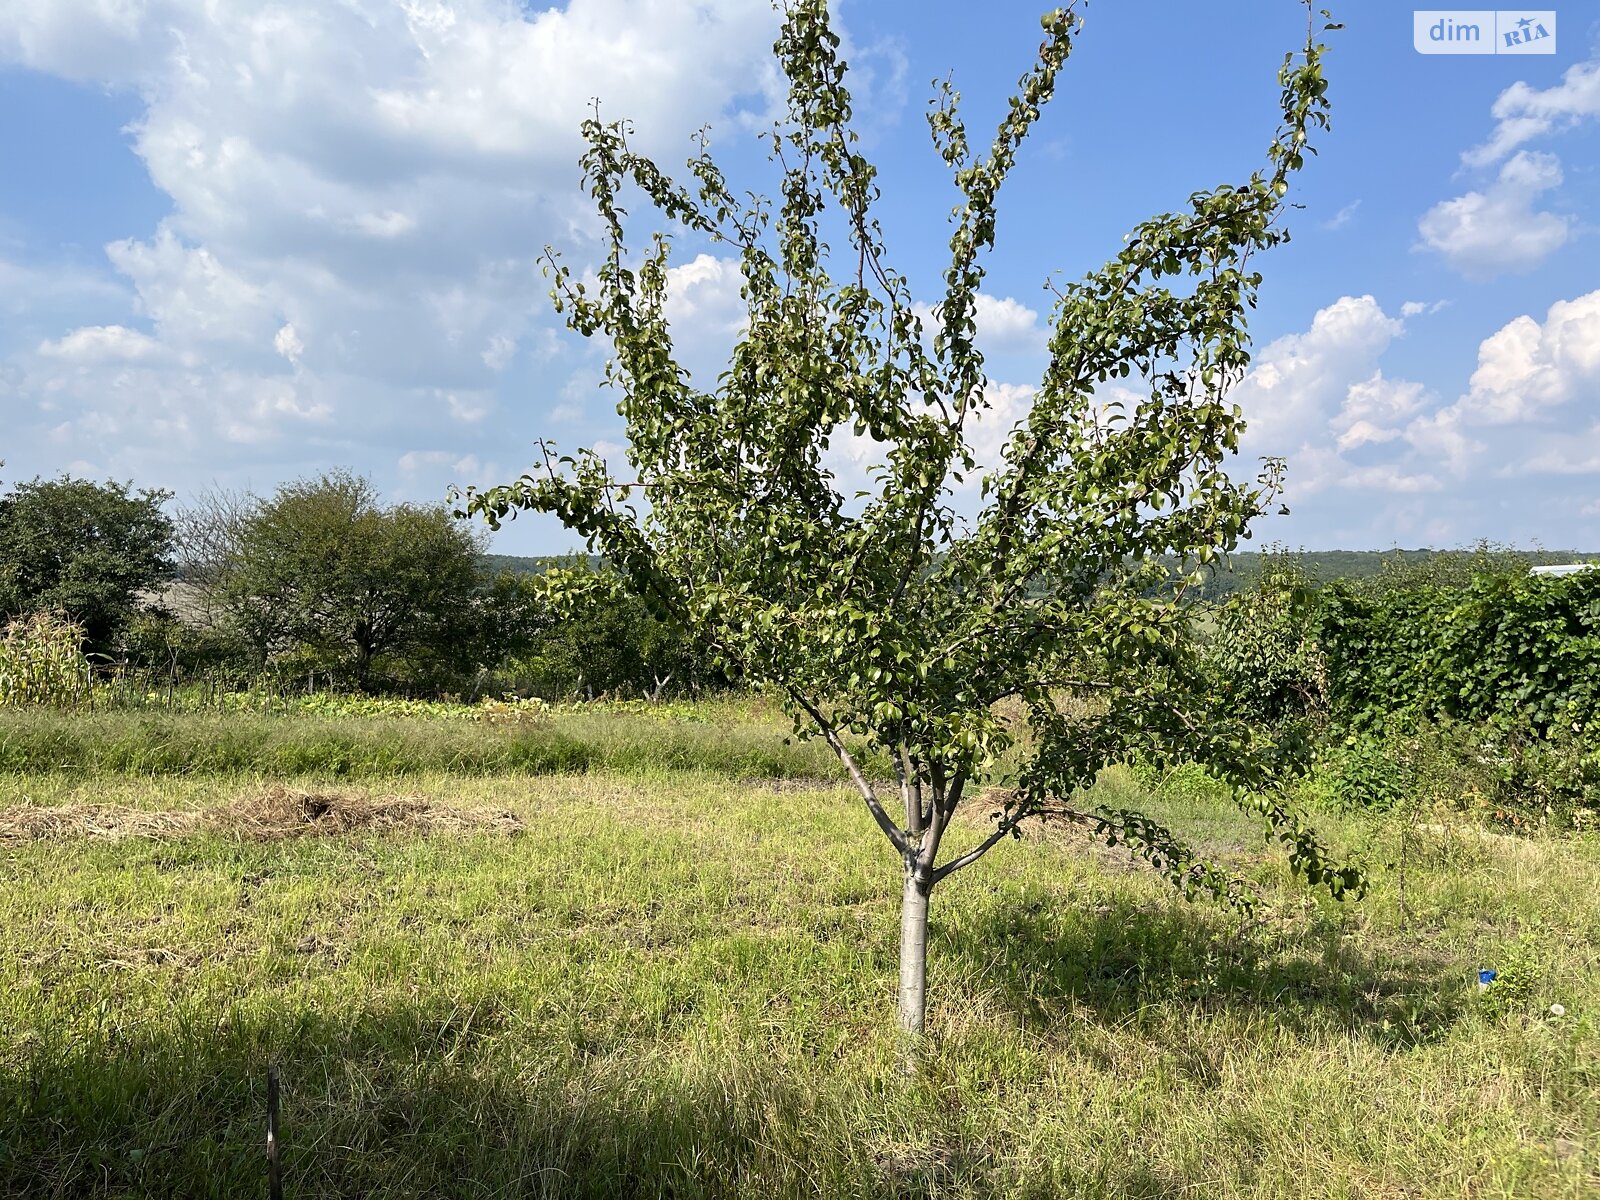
[(906, 620)]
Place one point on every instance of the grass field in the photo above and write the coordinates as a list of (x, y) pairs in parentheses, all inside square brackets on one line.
[(672, 982), (727, 738)]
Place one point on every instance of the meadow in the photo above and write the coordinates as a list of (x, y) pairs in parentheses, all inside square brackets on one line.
[(625, 953)]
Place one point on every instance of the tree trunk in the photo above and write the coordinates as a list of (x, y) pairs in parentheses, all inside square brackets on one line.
[(913, 968)]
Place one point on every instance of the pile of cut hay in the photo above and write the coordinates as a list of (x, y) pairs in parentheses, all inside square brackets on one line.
[(270, 815)]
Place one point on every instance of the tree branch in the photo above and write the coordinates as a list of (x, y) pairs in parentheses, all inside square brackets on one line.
[(978, 851), (893, 832)]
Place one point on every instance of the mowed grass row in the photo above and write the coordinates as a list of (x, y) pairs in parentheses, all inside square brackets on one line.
[(44, 741), (683, 986)]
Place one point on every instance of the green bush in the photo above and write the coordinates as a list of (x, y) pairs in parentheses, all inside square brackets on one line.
[(1512, 777), (1263, 651), (1507, 646), (1363, 773)]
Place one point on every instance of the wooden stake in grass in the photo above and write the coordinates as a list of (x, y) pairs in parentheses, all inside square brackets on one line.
[(274, 1171)]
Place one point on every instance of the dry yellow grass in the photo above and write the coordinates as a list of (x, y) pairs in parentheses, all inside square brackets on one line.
[(269, 814)]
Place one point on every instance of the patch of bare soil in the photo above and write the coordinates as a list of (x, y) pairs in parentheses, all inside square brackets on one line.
[(272, 814)]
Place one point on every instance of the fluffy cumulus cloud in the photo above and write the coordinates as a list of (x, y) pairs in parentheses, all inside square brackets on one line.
[(1498, 230), (102, 344), (1302, 381), (358, 193), (1530, 389), (1359, 442), (705, 312), (1523, 113), (1005, 325), (1528, 368)]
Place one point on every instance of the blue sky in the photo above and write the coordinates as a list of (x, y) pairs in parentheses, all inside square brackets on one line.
[(243, 243)]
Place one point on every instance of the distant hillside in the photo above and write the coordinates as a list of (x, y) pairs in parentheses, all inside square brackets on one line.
[(518, 564), (1326, 566)]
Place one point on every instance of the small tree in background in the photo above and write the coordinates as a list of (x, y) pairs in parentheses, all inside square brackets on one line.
[(889, 618), (1263, 645), (324, 568), (596, 637), (210, 532), (84, 550)]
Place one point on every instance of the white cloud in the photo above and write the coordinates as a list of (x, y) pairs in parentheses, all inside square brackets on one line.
[(389, 224), (1300, 381), (1567, 459), (1343, 217), (359, 191), (1322, 400), (1421, 308), (502, 348), (1005, 325), (104, 344), (1441, 439), (413, 461), (430, 472), (990, 428), (1496, 231), (192, 297), (1523, 113), (287, 343), (468, 409), (703, 298), (1525, 369), (1373, 410)]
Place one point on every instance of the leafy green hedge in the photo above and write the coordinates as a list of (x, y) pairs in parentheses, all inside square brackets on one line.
[(1506, 646)]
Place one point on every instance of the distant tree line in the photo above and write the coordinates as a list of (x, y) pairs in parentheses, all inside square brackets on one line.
[(1240, 570), (323, 582)]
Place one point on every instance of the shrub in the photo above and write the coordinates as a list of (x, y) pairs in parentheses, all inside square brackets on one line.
[(1263, 650), (1507, 647), (1363, 773), (1505, 772), (84, 550)]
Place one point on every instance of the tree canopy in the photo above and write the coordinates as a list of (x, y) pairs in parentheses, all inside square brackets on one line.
[(891, 616), (323, 567), (83, 550)]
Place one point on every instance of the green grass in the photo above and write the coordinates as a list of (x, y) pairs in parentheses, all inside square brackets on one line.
[(677, 984), (725, 741)]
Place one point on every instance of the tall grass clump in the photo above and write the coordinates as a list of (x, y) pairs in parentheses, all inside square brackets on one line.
[(152, 743), (41, 660)]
